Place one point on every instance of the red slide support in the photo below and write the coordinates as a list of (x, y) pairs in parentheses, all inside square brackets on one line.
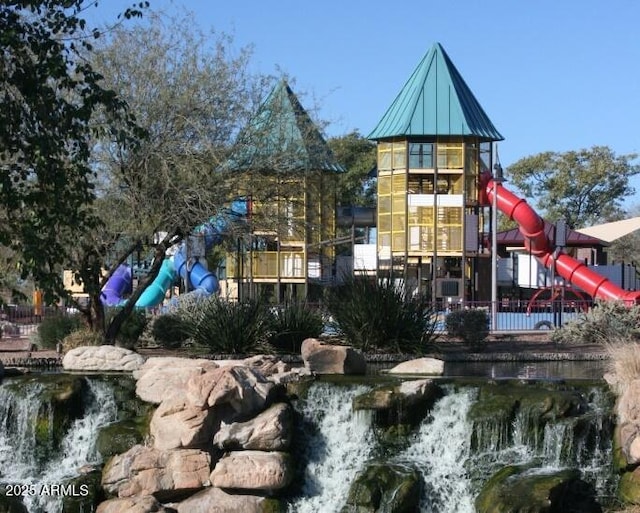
[(532, 228)]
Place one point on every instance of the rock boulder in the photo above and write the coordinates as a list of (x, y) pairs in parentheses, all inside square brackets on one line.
[(142, 504), (429, 366), (102, 359), (253, 470), (215, 500), (165, 474), (406, 403), (321, 358), (269, 431), (159, 376)]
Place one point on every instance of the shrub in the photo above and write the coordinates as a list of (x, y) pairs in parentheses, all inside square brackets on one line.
[(131, 328), (291, 323), (471, 326), (54, 329), (81, 337), (377, 315), (229, 327), (170, 330), (606, 321)]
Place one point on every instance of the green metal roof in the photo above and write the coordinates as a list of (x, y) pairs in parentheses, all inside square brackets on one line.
[(282, 137), (435, 101)]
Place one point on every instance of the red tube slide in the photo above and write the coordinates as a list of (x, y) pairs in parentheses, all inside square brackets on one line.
[(532, 228)]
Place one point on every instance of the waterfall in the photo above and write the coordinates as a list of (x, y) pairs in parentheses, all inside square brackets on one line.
[(336, 443), (19, 463), (439, 451)]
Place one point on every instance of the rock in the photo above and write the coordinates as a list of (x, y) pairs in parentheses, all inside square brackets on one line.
[(158, 376), (176, 423), (629, 487), (291, 376), (165, 474), (385, 487), (102, 358), (499, 403), (513, 489), (269, 431), (141, 504), (215, 500), (191, 416), (86, 492), (1, 370), (407, 403), (245, 390), (265, 364), (253, 470), (119, 437), (321, 358), (430, 366)]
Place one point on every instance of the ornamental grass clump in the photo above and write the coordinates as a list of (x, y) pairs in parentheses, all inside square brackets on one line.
[(377, 316), (231, 327), (291, 323), (607, 321), (624, 362)]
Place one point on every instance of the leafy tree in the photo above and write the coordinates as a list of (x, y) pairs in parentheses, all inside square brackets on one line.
[(191, 94), (584, 187), (627, 248), (50, 96), (358, 155)]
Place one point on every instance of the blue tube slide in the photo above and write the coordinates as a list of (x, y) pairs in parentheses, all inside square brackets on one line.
[(116, 286), (154, 293), (199, 276), (202, 280)]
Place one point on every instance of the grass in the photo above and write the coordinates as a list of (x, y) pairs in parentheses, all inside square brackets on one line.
[(624, 362)]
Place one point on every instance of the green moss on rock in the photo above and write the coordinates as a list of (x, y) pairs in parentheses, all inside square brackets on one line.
[(385, 487), (86, 493), (514, 489)]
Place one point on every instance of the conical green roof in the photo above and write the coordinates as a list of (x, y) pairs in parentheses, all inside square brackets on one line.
[(282, 137), (435, 101)]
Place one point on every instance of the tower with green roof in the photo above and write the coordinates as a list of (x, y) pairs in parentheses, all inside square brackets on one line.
[(434, 141), (284, 165)]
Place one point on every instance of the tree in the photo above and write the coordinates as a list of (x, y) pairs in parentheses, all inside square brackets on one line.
[(358, 156), (191, 95), (50, 95), (583, 187)]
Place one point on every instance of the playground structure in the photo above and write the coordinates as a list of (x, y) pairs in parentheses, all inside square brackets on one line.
[(435, 146), (532, 227), (203, 282)]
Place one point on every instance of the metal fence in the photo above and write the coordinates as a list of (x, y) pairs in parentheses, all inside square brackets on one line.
[(522, 315), (510, 315)]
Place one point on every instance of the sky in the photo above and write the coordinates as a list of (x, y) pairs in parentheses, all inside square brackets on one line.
[(552, 75)]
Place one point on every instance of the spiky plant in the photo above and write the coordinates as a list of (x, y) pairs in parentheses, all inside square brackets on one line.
[(231, 327), (376, 315), (291, 323)]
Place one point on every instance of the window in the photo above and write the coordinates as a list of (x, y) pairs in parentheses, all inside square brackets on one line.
[(421, 156)]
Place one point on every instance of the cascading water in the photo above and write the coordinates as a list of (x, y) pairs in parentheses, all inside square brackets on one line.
[(439, 451), (454, 453), (42, 482), (336, 443)]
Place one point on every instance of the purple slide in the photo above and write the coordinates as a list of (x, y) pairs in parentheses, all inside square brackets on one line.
[(116, 286)]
